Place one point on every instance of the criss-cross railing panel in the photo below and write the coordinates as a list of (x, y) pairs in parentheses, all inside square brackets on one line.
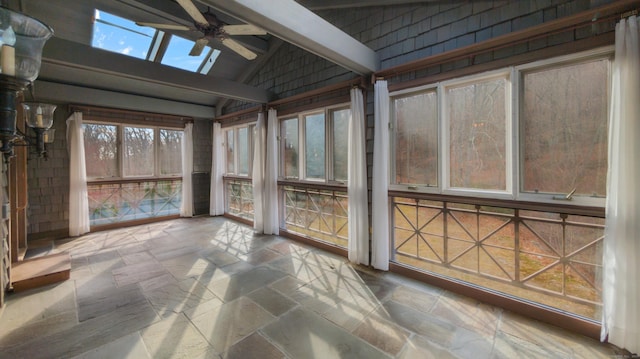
[(547, 257), (316, 213), (131, 200), (239, 197)]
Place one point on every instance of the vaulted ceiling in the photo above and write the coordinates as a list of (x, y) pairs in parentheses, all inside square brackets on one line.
[(73, 69)]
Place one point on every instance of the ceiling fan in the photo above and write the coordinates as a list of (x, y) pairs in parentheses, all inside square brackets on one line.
[(211, 28)]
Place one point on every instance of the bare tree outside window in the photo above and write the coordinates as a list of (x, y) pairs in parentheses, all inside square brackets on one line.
[(138, 159), (290, 147), (315, 143), (340, 143), (243, 151), (230, 148), (477, 135), (170, 148), (564, 129), (101, 150), (416, 139)]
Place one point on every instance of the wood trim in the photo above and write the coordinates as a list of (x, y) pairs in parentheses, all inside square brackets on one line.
[(311, 242), (358, 81), (233, 115), (88, 109), (106, 227), (494, 202), (602, 13), (313, 185), (315, 105), (133, 180), (548, 52), (531, 310), (238, 219)]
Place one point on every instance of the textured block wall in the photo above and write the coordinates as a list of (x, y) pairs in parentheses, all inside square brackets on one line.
[(48, 183)]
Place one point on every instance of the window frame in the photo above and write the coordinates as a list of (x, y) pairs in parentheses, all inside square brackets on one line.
[(602, 53), (236, 154), (120, 146), (327, 111), (513, 146)]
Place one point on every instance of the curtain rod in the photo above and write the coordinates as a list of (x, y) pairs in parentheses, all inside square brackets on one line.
[(88, 109), (592, 16), (358, 81), (240, 113)]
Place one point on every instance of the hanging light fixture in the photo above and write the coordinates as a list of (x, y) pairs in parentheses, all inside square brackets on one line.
[(39, 117), (21, 41)]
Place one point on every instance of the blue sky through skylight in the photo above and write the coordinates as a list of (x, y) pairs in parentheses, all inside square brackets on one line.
[(123, 36), (120, 35), (177, 55)]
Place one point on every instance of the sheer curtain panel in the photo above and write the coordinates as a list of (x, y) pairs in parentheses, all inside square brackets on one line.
[(380, 183), (186, 206), (257, 175), (357, 182), (621, 287), (270, 195), (78, 197), (216, 203)]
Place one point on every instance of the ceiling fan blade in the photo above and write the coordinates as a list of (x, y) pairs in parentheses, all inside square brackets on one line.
[(193, 11), (197, 48), (243, 30), (165, 26), (239, 49)]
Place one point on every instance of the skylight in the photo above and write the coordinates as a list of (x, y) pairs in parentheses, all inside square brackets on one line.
[(123, 36), (116, 34)]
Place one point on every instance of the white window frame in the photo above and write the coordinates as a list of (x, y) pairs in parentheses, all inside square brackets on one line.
[(606, 52), (236, 154), (120, 145), (393, 145), (327, 111), (513, 146)]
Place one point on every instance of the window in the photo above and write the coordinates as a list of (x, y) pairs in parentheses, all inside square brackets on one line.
[(478, 129), (170, 148), (416, 138), (314, 145), (101, 150), (119, 151), (133, 172), (239, 144), (462, 137), (563, 123), (117, 34)]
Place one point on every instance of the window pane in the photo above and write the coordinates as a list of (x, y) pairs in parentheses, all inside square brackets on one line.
[(243, 151), (177, 54), (116, 34), (417, 139), (289, 135), (477, 138), (314, 141), (101, 150), (340, 144), (170, 152), (138, 151), (230, 147), (564, 129)]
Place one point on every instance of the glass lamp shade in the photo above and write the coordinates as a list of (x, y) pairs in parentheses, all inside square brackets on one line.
[(38, 115), (21, 41), (49, 135)]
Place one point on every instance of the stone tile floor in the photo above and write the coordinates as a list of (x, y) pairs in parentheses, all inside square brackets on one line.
[(211, 288)]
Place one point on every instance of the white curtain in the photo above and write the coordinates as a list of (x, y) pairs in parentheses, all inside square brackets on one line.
[(78, 198), (186, 207), (257, 174), (380, 183), (621, 261), (216, 196), (357, 184), (270, 195)]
